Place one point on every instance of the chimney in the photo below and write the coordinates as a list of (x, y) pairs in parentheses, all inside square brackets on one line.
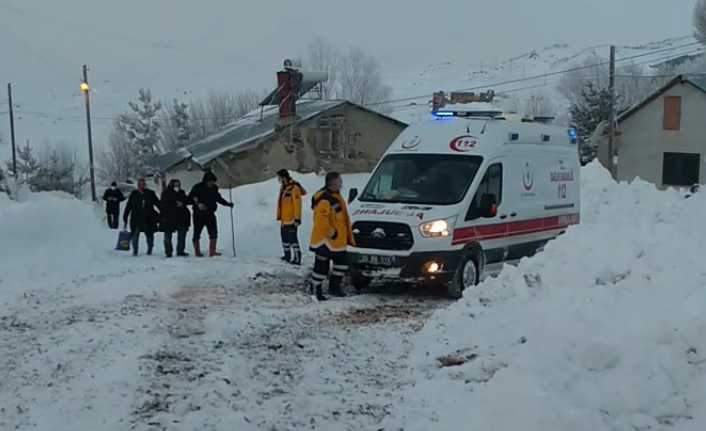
[(288, 83)]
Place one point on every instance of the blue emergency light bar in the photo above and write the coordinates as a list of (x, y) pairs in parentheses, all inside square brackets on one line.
[(443, 114), (573, 134)]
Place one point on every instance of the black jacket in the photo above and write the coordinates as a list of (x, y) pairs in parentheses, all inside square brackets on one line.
[(141, 209), (112, 200), (173, 216), (209, 196)]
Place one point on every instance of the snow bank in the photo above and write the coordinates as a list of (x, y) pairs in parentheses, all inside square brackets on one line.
[(256, 230), (50, 234), (602, 331), (54, 236)]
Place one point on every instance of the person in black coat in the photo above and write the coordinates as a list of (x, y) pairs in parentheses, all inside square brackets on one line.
[(142, 210), (175, 217), (112, 197), (205, 199)]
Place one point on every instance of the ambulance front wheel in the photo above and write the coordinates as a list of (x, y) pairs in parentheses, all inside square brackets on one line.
[(466, 277), (359, 281)]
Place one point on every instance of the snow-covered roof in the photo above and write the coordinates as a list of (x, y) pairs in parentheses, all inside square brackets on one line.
[(167, 160), (246, 132)]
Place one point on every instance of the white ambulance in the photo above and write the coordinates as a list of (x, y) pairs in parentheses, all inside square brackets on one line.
[(454, 198)]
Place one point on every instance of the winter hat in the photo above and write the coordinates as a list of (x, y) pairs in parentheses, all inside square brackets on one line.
[(113, 184), (209, 176), (332, 176), (284, 174)]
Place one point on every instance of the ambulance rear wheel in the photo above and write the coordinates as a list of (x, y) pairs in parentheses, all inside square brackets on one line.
[(466, 278)]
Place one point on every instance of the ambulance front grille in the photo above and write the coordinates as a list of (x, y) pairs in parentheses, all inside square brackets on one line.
[(382, 235)]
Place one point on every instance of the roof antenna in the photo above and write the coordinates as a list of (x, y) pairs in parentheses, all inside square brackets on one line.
[(468, 129)]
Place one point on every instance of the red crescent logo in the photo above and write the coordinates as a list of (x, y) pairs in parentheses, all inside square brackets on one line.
[(463, 143)]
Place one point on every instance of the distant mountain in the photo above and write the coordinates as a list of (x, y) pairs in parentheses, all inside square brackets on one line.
[(471, 73)]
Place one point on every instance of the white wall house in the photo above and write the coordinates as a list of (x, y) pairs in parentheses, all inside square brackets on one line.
[(662, 139)]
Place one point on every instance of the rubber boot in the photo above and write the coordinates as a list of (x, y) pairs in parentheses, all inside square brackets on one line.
[(197, 248), (212, 251), (334, 287), (296, 257), (320, 294), (287, 256)]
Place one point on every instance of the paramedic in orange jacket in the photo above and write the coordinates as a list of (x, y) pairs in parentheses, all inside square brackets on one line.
[(330, 237), (289, 214)]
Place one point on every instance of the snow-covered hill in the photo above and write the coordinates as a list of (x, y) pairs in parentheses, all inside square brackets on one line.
[(510, 77)]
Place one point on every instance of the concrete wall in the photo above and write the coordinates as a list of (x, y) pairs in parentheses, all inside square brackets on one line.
[(643, 141), (365, 137)]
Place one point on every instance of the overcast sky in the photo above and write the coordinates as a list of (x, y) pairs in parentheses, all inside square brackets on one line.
[(177, 45)]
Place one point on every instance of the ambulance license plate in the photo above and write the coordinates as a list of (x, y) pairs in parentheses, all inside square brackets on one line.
[(375, 260)]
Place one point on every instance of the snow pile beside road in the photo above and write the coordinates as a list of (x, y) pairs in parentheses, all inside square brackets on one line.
[(256, 230), (602, 331), (50, 234)]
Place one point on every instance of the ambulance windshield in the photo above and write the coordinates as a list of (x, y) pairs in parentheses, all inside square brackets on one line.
[(431, 179)]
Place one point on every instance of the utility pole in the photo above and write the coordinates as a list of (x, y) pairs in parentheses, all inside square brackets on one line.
[(12, 131), (85, 88), (612, 116)]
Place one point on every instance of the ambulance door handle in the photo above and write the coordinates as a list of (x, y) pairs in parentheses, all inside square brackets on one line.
[(513, 214), (503, 217)]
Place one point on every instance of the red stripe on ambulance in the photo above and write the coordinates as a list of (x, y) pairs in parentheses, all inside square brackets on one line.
[(503, 230)]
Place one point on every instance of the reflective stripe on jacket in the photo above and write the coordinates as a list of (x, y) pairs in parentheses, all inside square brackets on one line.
[(332, 224), (289, 204)]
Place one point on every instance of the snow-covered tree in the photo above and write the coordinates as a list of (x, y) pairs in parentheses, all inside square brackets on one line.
[(176, 126), (588, 112), (700, 20), (142, 128), (27, 164), (59, 170)]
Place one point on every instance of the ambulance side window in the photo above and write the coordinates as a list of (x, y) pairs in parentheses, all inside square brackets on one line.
[(492, 183)]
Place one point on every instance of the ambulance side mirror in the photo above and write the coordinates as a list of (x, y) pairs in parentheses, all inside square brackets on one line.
[(352, 194), (488, 205)]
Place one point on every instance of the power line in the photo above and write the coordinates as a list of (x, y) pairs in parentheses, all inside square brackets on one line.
[(544, 75)]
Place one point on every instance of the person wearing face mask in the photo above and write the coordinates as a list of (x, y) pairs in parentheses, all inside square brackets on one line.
[(142, 211), (112, 197), (205, 198), (330, 237), (175, 217)]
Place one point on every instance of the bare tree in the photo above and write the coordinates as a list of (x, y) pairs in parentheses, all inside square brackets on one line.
[(700, 21), (116, 162), (213, 112), (321, 56), (361, 80), (539, 105)]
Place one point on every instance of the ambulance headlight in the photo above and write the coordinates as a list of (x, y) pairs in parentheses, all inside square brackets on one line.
[(437, 228)]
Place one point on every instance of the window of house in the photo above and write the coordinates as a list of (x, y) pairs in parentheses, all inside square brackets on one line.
[(672, 113), (329, 135), (492, 183), (680, 169)]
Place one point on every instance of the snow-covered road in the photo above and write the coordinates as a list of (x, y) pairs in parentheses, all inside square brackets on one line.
[(157, 344)]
